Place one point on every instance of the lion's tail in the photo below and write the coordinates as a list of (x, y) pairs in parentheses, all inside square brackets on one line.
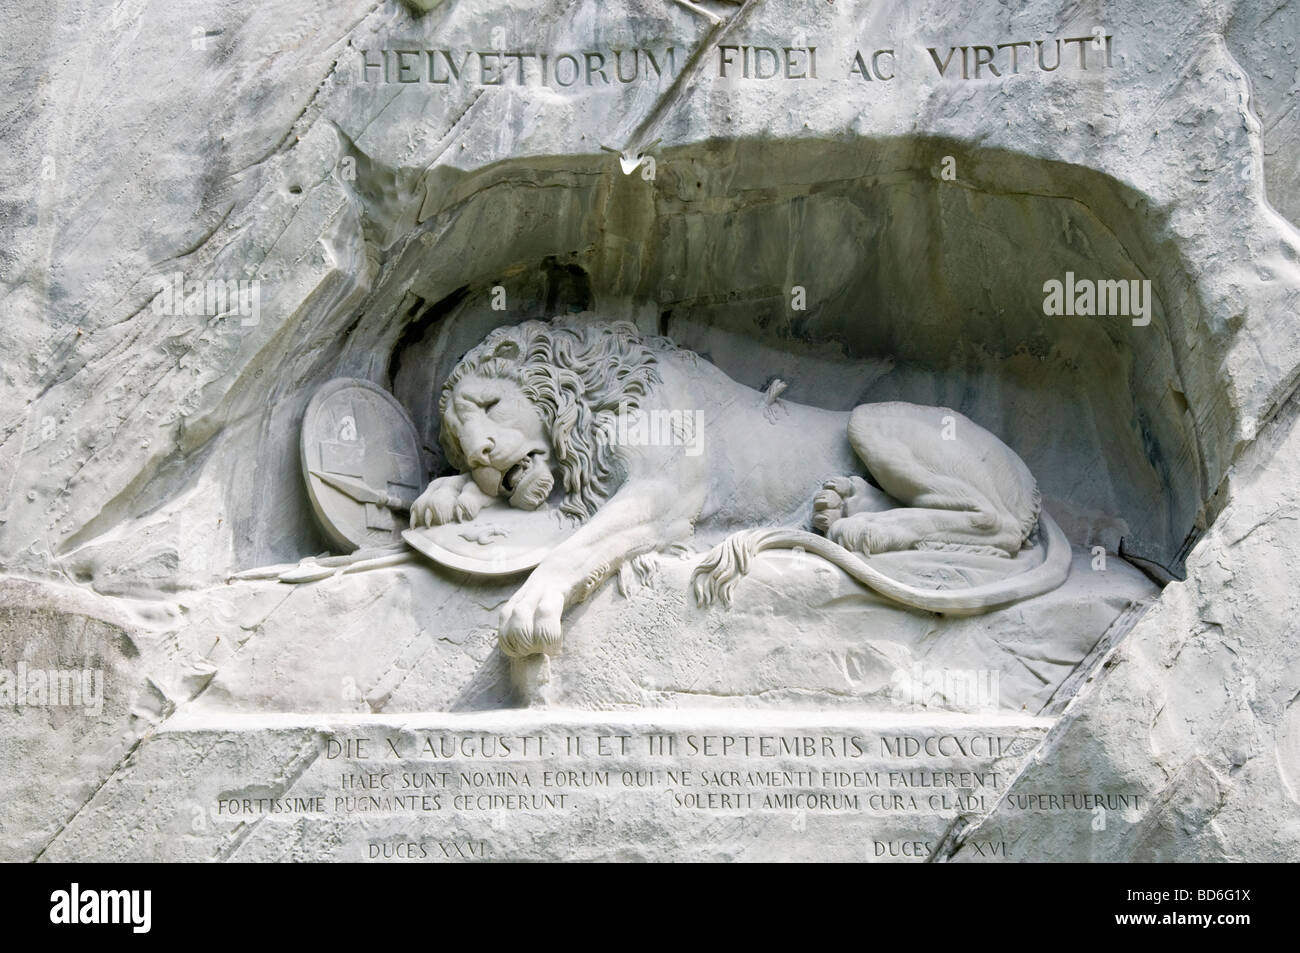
[(716, 577)]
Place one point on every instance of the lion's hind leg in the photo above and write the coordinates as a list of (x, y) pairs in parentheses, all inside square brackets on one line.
[(943, 503), (920, 528), (846, 496)]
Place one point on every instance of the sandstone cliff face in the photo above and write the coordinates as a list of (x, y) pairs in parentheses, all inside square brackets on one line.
[(915, 168)]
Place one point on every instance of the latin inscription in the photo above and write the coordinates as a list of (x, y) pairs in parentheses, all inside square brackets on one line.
[(482, 68), (895, 791), (737, 61)]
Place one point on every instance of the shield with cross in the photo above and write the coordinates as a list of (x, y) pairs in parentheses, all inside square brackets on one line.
[(361, 461)]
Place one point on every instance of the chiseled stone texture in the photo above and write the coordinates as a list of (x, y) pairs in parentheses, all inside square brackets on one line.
[(801, 634), (1198, 707), (145, 456)]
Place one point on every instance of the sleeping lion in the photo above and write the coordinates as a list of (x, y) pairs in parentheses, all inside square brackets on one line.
[(540, 411)]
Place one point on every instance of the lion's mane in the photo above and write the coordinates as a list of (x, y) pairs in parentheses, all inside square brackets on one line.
[(579, 374)]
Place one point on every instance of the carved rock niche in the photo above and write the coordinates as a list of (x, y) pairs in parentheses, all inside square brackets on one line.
[(911, 290)]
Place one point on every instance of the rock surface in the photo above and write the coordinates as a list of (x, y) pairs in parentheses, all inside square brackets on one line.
[(147, 454)]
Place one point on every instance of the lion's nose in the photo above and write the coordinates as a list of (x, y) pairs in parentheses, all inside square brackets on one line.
[(481, 456)]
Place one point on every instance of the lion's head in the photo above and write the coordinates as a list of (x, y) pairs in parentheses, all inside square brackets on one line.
[(538, 398)]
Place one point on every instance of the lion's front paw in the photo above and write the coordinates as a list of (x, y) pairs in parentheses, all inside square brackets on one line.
[(440, 503), (470, 501), (530, 621)]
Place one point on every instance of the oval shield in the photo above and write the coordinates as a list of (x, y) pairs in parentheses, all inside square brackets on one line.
[(361, 461)]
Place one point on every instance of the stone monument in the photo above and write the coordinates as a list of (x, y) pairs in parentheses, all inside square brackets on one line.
[(681, 431)]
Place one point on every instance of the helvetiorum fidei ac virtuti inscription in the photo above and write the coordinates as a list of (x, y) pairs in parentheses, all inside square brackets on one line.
[(693, 431)]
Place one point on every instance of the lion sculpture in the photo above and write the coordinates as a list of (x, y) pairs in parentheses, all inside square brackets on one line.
[(535, 412)]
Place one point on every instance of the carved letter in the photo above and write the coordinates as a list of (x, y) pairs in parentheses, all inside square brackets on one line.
[(984, 57), (942, 67), (859, 67)]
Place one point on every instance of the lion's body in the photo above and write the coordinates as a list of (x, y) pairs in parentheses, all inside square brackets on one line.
[(947, 483), (759, 465), (763, 463)]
